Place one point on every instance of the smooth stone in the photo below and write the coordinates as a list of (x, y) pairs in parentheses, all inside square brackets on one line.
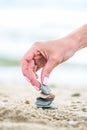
[(43, 102), (45, 89), (76, 95), (44, 96)]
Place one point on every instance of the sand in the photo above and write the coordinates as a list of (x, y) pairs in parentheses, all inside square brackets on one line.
[(18, 111)]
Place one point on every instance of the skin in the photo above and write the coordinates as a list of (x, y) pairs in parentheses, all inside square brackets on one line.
[(48, 54)]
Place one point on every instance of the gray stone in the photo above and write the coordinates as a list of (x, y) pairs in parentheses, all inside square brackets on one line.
[(45, 89), (43, 102)]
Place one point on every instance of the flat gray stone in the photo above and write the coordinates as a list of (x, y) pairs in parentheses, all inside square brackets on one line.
[(43, 102)]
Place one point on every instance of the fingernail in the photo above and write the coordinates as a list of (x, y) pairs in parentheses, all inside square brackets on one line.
[(36, 88), (27, 79), (45, 81)]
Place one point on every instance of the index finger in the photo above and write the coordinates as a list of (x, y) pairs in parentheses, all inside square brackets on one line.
[(28, 68), (25, 60)]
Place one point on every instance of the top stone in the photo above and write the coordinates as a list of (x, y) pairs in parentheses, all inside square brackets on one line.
[(45, 89)]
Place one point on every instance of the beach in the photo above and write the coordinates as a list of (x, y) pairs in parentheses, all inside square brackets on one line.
[(18, 110)]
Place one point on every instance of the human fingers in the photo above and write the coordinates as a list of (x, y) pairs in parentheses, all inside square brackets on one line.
[(28, 72), (47, 69)]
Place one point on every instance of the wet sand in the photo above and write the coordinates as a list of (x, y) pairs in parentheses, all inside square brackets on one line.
[(18, 111)]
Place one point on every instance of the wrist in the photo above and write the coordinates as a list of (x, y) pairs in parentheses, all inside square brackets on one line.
[(82, 36), (79, 37)]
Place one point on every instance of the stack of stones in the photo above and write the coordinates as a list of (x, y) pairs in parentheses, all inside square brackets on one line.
[(45, 99)]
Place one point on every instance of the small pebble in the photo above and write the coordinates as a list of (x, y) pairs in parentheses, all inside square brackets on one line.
[(45, 89), (84, 109), (76, 95), (27, 102), (47, 96)]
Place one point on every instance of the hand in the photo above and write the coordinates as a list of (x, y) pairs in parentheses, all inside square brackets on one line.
[(46, 55)]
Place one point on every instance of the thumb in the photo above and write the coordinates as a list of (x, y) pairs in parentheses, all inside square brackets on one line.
[(50, 65)]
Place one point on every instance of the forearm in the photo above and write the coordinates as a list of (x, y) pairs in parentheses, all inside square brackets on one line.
[(79, 37)]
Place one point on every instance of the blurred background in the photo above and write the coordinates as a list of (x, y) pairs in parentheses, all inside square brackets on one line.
[(22, 22)]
